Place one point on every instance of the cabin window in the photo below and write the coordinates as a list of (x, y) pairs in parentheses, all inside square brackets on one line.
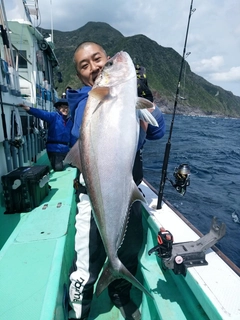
[(21, 62)]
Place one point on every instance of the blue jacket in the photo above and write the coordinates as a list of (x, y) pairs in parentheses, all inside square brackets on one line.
[(77, 101), (59, 130)]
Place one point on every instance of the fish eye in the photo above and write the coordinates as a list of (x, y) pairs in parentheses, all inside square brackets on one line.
[(109, 63)]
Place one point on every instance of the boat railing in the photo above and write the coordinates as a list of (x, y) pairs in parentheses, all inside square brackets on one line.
[(9, 79), (9, 74)]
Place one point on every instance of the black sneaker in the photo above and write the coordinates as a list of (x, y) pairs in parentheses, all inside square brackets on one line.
[(130, 311)]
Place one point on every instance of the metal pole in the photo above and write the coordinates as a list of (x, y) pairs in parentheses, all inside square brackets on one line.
[(168, 144)]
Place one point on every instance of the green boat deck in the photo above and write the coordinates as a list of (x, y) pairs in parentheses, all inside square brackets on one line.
[(36, 258), (37, 253)]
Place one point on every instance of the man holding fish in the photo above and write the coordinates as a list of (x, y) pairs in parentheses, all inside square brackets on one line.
[(108, 223)]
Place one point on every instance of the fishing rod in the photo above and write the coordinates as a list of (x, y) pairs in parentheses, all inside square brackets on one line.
[(183, 170)]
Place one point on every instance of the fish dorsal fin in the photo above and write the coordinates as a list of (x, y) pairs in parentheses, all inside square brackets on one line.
[(99, 93), (144, 103), (136, 194)]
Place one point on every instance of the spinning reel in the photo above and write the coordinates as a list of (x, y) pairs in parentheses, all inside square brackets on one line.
[(182, 178)]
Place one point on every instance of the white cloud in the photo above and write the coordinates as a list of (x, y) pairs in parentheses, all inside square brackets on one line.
[(231, 75), (208, 65)]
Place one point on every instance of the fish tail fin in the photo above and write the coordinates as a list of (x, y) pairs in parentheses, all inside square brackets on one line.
[(109, 275), (105, 279), (73, 157)]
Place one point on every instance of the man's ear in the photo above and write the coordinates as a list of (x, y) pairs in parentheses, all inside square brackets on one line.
[(108, 57)]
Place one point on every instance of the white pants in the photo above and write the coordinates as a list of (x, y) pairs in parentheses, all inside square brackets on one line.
[(80, 277), (91, 257)]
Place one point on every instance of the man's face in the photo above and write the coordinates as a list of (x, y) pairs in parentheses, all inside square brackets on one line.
[(90, 60)]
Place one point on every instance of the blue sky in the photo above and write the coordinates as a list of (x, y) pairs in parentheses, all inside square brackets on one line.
[(214, 34)]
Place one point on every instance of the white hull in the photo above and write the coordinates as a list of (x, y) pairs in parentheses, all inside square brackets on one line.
[(216, 285)]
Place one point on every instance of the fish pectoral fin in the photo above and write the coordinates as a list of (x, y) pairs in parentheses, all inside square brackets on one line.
[(109, 275), (144, 107), (136, 194), (99, 93), (144, 104), (146, 116), (73, 157)]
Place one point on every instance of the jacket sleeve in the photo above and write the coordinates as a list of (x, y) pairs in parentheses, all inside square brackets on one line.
[(42, 114), (154, 133), (78, 118)]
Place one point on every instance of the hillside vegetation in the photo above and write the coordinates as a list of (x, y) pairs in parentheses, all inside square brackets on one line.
[(162, 64)]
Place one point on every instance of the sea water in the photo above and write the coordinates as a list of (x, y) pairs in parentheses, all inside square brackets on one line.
[(211, 148)]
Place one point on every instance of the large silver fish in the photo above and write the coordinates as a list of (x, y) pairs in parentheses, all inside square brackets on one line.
[(108, 144)]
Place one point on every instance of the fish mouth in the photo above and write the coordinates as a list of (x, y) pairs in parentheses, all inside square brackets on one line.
[(97, 78)]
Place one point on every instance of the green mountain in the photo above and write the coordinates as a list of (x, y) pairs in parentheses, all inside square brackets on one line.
[(197, 96)]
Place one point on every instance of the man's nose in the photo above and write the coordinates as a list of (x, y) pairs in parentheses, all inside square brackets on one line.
[(94, 66)]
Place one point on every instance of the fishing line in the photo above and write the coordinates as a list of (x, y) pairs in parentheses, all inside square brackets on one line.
[(168, 144)]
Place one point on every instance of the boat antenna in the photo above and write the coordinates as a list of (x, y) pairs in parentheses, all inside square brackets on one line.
[(51, 21), (168, 144)]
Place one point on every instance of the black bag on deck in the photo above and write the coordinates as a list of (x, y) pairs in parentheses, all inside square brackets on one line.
[(24, 188)]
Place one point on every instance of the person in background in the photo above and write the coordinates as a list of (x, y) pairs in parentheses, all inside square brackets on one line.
[(64, 95), (147, 131), (89, 59), (59, 138)]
